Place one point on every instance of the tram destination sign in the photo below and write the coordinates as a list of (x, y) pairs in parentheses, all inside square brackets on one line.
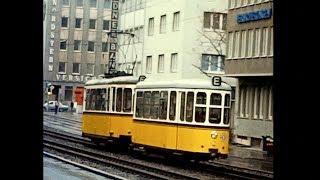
[(254, 16)]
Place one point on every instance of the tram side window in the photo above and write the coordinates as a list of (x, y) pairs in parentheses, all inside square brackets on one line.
[(102, 100), (200, 112), (155, 104), (147, 104), (182, 106), (172, 110), (226, 114), (119, 99), (88, 99), (127, 100), (139, 105), (163, 105), (215, 99), (189, 108), (215, 113), (113, 98)]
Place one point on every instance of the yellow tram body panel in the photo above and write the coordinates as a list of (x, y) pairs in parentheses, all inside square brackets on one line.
[(155, 134), (198, 139), (107, 125), (187, 138)]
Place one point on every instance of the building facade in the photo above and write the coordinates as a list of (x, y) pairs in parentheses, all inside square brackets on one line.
[(131, 40), (250, 59), (76, 47)]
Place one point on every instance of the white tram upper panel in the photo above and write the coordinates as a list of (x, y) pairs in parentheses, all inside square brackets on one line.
[(115, 80), (183, 83)]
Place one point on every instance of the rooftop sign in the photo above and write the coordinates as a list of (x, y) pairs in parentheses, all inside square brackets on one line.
[(254, 16)]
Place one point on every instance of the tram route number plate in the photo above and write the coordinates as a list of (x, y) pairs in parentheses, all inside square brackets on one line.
[(216, 81)]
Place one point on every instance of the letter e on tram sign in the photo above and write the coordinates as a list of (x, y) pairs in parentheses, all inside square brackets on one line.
[(216, 81)]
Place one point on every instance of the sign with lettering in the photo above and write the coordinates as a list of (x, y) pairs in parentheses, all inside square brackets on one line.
[(73, 78), (113, 36), (254, 16), (52, 28), (216, 81)]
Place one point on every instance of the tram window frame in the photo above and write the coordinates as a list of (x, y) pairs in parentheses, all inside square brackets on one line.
[(147, 104), (155, 104), (108, 99), (163, 105), (200, 107), (113, 99), (215, 107), (119, 98), (189, 108), (182, 105), (139, 104), (172, 105), (226, 109), (127, 100), (88, 99)]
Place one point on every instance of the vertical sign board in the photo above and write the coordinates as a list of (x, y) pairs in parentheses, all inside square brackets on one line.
[(52, 28), (113, 36)]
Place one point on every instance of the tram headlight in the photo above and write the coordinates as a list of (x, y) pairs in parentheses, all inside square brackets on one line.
[(214, 134)]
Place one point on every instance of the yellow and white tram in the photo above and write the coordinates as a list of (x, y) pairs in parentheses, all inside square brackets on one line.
[(108, 111), (182, 116)]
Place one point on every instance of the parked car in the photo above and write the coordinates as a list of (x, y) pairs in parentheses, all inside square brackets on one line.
[(50, 106)]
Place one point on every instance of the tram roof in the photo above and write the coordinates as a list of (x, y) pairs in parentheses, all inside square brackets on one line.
[(115, 80), (184, 83)]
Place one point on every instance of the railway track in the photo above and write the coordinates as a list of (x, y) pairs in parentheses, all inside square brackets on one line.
[(108, 160)]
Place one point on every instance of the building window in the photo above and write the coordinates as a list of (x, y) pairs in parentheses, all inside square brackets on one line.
[(107, 4), (64, 22), (236, 44), (215, 20), (77, 45), (90, 69), (232, 4), (92, 24), (161, 63), (265, 41), (257, 43), (212, 63), (151, 26), (104, 47), (76, 68), (106, 24), (163, 24), (149, 64), (63, 44), (174, 62), (243, 43), (176, 19), (141, 34), (270, 108), (78, 23), (68, 93), (79, 3), (65, 2), (207, 19), (238, 3), (91, 46), (62, 67), (256, 103), (250, 43), (93, 3), (230, 45), (271, 42)]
